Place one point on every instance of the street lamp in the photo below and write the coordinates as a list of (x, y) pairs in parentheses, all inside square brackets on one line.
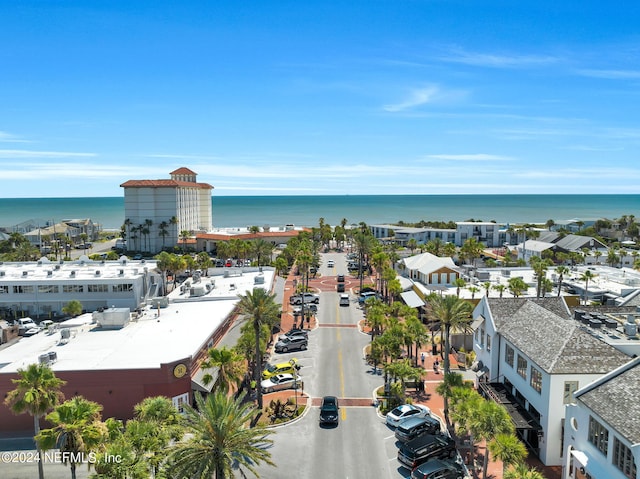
[(295, 383)]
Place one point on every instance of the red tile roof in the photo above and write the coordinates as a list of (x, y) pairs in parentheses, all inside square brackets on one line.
[(182, 171), (163, 184)]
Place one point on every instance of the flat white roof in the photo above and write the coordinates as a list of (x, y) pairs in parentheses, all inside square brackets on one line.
[(178, 332)]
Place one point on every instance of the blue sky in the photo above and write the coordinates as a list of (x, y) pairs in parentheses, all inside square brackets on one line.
[(320, 98)]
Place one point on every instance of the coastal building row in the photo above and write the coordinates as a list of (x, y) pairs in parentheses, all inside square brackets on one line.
[(543, 362), (118, 357)]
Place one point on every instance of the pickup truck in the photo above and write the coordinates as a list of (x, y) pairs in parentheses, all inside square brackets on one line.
[(308, 298)]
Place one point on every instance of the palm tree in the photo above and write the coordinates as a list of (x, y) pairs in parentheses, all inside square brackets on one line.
[(561, 271), (261, 308), (459, 283), (491, 419), (452, 313), (586, 277), (517, 286), (508, 449), (77, 430), (37, 391), (500, 288), (540, 267), (184, 235), (522, 471), (230, 368), (220, 441), (173, 221), (163, 231)]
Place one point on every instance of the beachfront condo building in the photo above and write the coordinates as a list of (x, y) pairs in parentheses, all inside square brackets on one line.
[(157, 211)]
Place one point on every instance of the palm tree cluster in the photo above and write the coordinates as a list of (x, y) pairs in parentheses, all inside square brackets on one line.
[(215, 439), (484, 420)]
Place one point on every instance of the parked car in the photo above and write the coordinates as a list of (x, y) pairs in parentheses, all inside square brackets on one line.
[(279, 382), (400, 413), (423, 448), (295, 332), (366, 296), (308, 298), (439, 469), (289, 367), (329, 410), (414, 427), (291, 343), (344, 300)]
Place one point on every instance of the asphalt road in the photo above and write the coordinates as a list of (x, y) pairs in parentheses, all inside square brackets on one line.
[(361, 446)]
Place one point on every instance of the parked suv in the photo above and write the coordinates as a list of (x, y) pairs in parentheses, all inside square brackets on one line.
[(417, 426), (423, 448), (291, 343)]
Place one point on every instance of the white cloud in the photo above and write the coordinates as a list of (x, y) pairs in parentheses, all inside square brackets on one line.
[(416, 98), (496, 60), (471, 157), (43, 154), (10, 138), (611, 74)]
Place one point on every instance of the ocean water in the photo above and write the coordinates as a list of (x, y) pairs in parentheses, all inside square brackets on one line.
[(229, 211)]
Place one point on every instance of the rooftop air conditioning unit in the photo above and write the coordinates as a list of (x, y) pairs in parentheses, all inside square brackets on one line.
[(73, 274), (57, 267), (97, 272), (121, 272), (25, 273), (49, 273), (1, 273), (44, 358)]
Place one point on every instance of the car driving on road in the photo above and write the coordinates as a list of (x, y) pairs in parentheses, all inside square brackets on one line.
[(308, 298), (329, 410)]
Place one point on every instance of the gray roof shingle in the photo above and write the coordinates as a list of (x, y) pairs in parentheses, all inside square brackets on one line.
[(615, 400), (542, 330)]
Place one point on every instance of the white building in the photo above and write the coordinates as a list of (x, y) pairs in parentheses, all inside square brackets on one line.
[(532, 357), (602, 433), (156, 211), (42, 288)]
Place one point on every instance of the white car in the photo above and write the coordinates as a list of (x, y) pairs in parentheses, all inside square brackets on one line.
[(330, 263), (280, 381), (405, 411)]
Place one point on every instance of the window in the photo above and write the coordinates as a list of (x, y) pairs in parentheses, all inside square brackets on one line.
[(72, 288), (122, 288), (508, 355), (598, 436), (623, 459), (482, 337), (488, 343), (180, 401), (98, 288), (569, 388), (47, 288), (23, 289), (522, 367), (4, 289), (536, 379)]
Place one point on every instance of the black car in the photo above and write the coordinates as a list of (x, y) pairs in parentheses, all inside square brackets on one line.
[(291, 343), (439, 469), (329, 410), (340, 287), (423, 448), (340, 278)]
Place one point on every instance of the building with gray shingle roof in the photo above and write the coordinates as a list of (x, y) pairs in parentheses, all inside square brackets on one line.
[(533, 357), (602, 433)]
